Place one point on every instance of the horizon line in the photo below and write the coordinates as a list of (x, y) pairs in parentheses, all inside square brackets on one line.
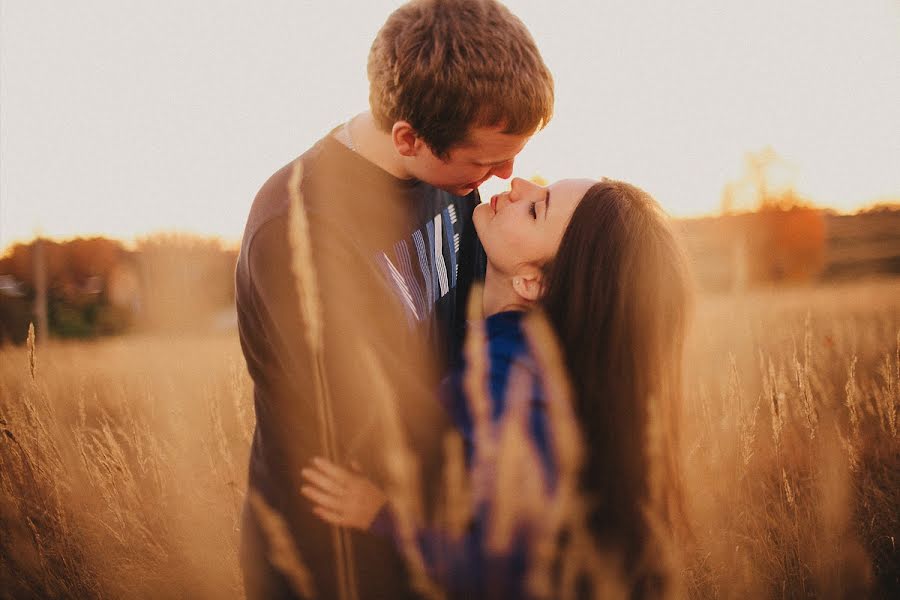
[(234, 243)]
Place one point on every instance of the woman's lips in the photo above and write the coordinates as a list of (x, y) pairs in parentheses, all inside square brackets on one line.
[(494, 204)]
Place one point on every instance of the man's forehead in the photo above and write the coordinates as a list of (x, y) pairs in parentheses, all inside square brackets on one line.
[(490, 145)]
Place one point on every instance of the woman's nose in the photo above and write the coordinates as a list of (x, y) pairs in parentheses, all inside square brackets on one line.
[(514, 188), (518, 186)]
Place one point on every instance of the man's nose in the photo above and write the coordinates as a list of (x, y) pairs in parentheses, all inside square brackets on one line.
[(503, 170)]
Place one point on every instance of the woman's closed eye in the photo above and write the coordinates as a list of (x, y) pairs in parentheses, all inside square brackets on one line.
[(545, 200)]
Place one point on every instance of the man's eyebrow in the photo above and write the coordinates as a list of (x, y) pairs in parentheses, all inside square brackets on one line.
[(492, 164)]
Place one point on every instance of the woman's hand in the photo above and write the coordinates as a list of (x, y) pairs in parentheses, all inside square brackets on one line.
[(341, 497)]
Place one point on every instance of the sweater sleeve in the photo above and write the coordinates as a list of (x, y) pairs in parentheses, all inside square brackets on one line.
[(293, 382)]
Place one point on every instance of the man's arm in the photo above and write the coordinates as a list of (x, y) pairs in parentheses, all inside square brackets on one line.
[(356, 311)]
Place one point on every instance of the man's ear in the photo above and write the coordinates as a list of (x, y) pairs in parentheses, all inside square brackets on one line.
[(405, 138), (528, 283)]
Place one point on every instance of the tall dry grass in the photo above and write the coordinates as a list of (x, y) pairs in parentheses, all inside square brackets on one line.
[(122, 467), (122, 462), (792, 461)]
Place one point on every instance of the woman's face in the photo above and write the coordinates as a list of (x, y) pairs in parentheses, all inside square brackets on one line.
[(525, 225)]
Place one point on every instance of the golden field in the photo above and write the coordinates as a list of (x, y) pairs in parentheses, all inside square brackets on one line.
[(123, 461)]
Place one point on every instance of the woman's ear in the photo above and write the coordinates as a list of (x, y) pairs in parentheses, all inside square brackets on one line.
[(528, 283), (405, 138)]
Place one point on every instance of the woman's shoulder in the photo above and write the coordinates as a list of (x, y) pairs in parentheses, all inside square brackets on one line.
[(505, 327), (508, 346), (506, 337)]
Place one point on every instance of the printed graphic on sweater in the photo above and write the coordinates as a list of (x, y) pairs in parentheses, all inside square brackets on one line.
[(424, 268)]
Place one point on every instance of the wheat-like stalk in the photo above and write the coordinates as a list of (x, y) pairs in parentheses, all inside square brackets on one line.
[(851, 448), (776, 404), (282, 551), (566, 508), (402, 470), (31, 353), (306, 282), (302, 260), (748, 433), (888, 397), (787, 489), (851, 400), (567, 444), (475, 387), (519, 489), (238, 388), (804, 379), (806, 402), (746, 421), (456, 504)]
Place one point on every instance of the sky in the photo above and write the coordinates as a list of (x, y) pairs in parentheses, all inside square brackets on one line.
[(124, 118)]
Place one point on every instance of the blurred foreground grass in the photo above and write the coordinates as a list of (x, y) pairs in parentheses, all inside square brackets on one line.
[(122, 463)]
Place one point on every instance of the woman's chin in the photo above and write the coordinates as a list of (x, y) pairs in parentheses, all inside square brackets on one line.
[(480, 216)]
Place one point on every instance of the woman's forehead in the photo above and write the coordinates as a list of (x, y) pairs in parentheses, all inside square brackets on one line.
[(573, 189)]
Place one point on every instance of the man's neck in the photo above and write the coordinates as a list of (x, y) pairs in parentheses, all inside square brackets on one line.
[(499, 295), (375, 145)]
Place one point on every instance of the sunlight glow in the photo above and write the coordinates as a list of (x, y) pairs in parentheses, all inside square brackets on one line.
[(127, 119)]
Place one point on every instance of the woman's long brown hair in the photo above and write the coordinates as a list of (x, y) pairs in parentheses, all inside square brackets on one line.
[(618, 294)]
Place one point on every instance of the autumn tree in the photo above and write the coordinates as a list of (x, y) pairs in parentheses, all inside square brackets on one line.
[(782, 236)]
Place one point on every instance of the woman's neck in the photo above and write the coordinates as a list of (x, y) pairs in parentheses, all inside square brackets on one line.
[(499, 295)]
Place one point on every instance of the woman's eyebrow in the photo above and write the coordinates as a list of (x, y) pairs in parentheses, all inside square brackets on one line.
[(547, 204)]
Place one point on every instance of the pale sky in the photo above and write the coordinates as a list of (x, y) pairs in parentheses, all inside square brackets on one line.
[(123, 118)]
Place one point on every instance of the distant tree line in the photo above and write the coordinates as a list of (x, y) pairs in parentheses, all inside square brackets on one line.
[(768, 234), (97, 286)]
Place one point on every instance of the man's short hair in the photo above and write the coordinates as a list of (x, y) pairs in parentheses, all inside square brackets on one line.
[(446, 66)]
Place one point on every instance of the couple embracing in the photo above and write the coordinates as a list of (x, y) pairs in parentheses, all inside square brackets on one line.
[(354, 275)]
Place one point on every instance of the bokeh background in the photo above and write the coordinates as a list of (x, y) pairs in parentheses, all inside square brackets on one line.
[(133, 137), (150, 126)]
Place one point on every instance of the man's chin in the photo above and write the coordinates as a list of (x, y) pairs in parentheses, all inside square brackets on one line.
[(458, 190), (462, 191)]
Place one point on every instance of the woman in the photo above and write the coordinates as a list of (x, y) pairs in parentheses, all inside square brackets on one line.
[(602, 262)]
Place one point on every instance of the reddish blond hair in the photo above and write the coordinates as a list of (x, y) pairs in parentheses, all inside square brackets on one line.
[(446, 66)]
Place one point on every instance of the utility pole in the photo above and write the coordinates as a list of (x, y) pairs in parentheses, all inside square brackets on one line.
[(40, 289)]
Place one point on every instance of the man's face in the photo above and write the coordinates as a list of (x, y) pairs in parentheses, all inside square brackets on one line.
[(487, 152)]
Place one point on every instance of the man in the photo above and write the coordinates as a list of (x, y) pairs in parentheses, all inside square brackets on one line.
[(457, 88)]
